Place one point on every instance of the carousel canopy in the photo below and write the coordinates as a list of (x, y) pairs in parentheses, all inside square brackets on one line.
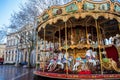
[(80, 13)]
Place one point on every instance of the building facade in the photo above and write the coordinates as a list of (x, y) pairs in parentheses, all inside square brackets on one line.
[(17, 45), (11, 48)]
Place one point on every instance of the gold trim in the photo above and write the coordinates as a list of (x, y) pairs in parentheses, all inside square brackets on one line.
[(66, 17)]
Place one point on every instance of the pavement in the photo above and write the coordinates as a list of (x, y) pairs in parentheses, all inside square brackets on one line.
[(11, 72)]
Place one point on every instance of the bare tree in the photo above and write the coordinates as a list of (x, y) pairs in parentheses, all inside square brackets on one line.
[(27, 15), (3, 33)]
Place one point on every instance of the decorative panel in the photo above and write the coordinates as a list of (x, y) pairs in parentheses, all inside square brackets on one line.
[(88, 6), (112, 0), (56, 11), (97, 0), (45, 16), (105, 6), (117, 8), (71, 8), (79, 0)]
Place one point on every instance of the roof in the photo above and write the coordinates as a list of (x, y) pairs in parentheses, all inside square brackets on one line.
[(80, 12)]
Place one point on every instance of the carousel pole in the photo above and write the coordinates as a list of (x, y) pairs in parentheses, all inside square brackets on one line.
[(53, 41), (119, 26), (86, 33), (98, 39), (59, 38), (72, 44), (44, 50), (66, 47), (36, 49)]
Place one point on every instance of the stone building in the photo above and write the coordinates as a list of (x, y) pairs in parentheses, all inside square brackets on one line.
[(11, 48), (17, 44)]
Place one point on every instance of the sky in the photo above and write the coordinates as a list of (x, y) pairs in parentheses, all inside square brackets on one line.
[(7, 7)]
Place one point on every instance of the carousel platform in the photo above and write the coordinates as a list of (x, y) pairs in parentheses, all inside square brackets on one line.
[(60, 76)]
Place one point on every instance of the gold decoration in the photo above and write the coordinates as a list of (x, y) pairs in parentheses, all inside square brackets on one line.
[(110, 65)]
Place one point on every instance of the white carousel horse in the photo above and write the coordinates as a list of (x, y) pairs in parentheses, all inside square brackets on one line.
[(67, 60), (52, 65), (90, 56), (78, 61), (106, 41), (52, 61), (117, 40), (59, 62), (110, 40)]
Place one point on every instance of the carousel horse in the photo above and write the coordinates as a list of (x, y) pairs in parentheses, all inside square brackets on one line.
[(106, 41), (66, 60), (78, 61), (59, 60), (82, 40), (117, 40), (90, 57), (70, 60), (88, 54), (52, 64), (94, 59), (59, 66), (110, 40)]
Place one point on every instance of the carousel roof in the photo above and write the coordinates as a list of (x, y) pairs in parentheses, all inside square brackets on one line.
[(80, 12)]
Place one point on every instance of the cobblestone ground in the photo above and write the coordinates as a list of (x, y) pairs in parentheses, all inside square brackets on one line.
[(10, 72)]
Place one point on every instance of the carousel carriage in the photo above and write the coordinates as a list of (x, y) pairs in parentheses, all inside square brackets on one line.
[(81, 28)]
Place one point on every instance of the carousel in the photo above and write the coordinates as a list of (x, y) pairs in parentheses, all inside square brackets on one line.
[(81, 40)]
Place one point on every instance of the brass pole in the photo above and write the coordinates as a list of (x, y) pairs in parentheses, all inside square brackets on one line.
[(59, 38), (87, 29), (71, 32), (53, 41), (119, 26), (98, 39), (44, 50), (71, 40), (66, 47), (86, 33)]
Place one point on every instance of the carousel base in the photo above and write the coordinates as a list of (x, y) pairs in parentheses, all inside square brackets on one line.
[(60, 76)]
